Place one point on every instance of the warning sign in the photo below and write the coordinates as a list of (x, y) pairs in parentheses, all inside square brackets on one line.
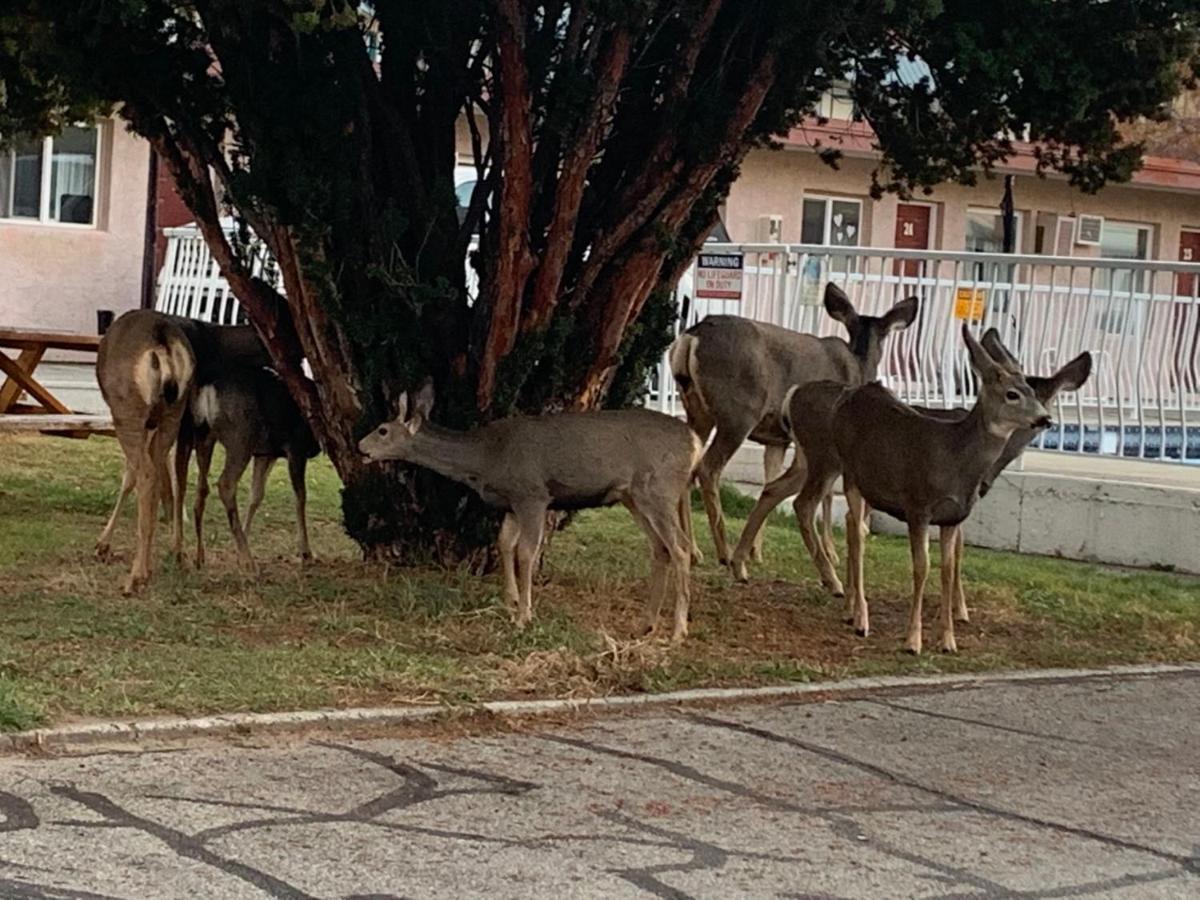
[(969, 304), (719, 276)]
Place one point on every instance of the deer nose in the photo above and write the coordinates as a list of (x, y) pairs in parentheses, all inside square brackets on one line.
[(1043, 422)]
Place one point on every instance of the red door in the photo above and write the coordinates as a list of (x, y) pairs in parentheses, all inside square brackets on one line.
[(1189, 251), (912, 233)]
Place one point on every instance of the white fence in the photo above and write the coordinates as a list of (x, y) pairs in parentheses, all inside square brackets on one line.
[(1140, 320)]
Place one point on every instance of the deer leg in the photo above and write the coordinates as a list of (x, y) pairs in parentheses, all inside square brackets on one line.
[(960, 598), (949, 537), (204, 452), (773, 493), (918, 542), (856, 596), (259, 474), (772, 467), (128, 479), (702, 425), (814, 491), (150, 467), (659, 560), (510, 531), (236, 460), (297, 466), (827, 527), (183, 451), (532, 522), (716, 457)]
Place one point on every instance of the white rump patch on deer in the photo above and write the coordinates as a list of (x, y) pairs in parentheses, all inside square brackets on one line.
[(148, 374), (206, 407)]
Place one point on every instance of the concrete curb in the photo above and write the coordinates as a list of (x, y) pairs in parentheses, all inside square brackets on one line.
[(137, 730)]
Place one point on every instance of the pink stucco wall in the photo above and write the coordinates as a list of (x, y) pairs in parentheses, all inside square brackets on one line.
[(56, 277), (776, 182)]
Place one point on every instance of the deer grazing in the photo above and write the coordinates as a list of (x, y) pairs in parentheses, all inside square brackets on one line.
[(733, 374), (527, 465), (145, 369), (922, 470), (250, 412), (808, 416)]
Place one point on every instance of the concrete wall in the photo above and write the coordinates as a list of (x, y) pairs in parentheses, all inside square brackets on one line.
[(1147, 519), (54, 277), (775, 182)]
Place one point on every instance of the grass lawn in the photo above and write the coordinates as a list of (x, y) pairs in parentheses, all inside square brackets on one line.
[(341, 633)]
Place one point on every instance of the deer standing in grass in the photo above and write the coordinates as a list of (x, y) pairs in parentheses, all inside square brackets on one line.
[(925, 472), (250, 412), (808, 418), (733, 374), (214, 348), (527, 465), (145, 368)]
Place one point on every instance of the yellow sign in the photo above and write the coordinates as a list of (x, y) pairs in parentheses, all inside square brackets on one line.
[(969, 304)]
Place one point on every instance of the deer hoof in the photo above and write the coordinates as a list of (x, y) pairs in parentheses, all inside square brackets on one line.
[(962, 616), (949, 645), (913, 647), (861, 632), (756, 555), (738, 568), (103, 552)]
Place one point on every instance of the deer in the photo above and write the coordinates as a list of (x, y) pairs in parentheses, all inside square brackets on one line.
[(733, 373), (145, 368), (213, 348), (922, 470), (249, 411), (807, 417), (525, 466)]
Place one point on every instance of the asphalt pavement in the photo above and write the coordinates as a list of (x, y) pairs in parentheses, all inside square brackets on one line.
[(1077, 787)]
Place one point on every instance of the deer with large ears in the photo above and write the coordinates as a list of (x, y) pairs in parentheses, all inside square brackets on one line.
[(925, 472), (527, 465), (733, 374), (808, 416)]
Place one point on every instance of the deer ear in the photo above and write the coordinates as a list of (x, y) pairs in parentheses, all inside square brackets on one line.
[(995, 347), (839, 307), (423, 402), (981, 361), (1072, 376), (402, 407), (901, 315)]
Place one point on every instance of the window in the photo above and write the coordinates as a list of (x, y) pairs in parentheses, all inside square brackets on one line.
[(51, 180), (836, 103), (825, 220), (985, 231), (1120, 240)]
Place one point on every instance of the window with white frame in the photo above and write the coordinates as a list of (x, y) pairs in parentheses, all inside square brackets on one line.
[(51, 180), (985, 231), (830, 220), (1120, 240), (836, 103)]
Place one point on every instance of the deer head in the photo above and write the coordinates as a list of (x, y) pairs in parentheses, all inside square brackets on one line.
[(1070, 377), (1006, 399), (867, 333), (390, 440)]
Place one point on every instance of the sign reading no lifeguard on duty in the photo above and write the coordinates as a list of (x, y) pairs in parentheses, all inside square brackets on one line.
[(719, 276)]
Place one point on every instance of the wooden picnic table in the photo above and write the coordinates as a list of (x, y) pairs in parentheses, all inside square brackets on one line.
[(47, 413)]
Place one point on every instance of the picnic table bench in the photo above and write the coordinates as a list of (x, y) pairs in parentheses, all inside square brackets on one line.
[(47, 413)]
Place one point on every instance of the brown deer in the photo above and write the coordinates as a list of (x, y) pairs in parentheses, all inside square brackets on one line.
[(214, 349), (733, 374), (527, 465), (250, 412), (808, 418), (145, 369), (923, 470)]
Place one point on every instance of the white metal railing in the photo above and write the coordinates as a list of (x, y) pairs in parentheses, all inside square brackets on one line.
[(191, 285), (1140, 320)]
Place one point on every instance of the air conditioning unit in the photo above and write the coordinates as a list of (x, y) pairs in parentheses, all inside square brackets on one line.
[(770, 230), (1088, 230)]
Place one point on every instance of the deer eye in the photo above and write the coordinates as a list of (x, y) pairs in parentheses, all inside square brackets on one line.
[(1012, 396), (383, 431)]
